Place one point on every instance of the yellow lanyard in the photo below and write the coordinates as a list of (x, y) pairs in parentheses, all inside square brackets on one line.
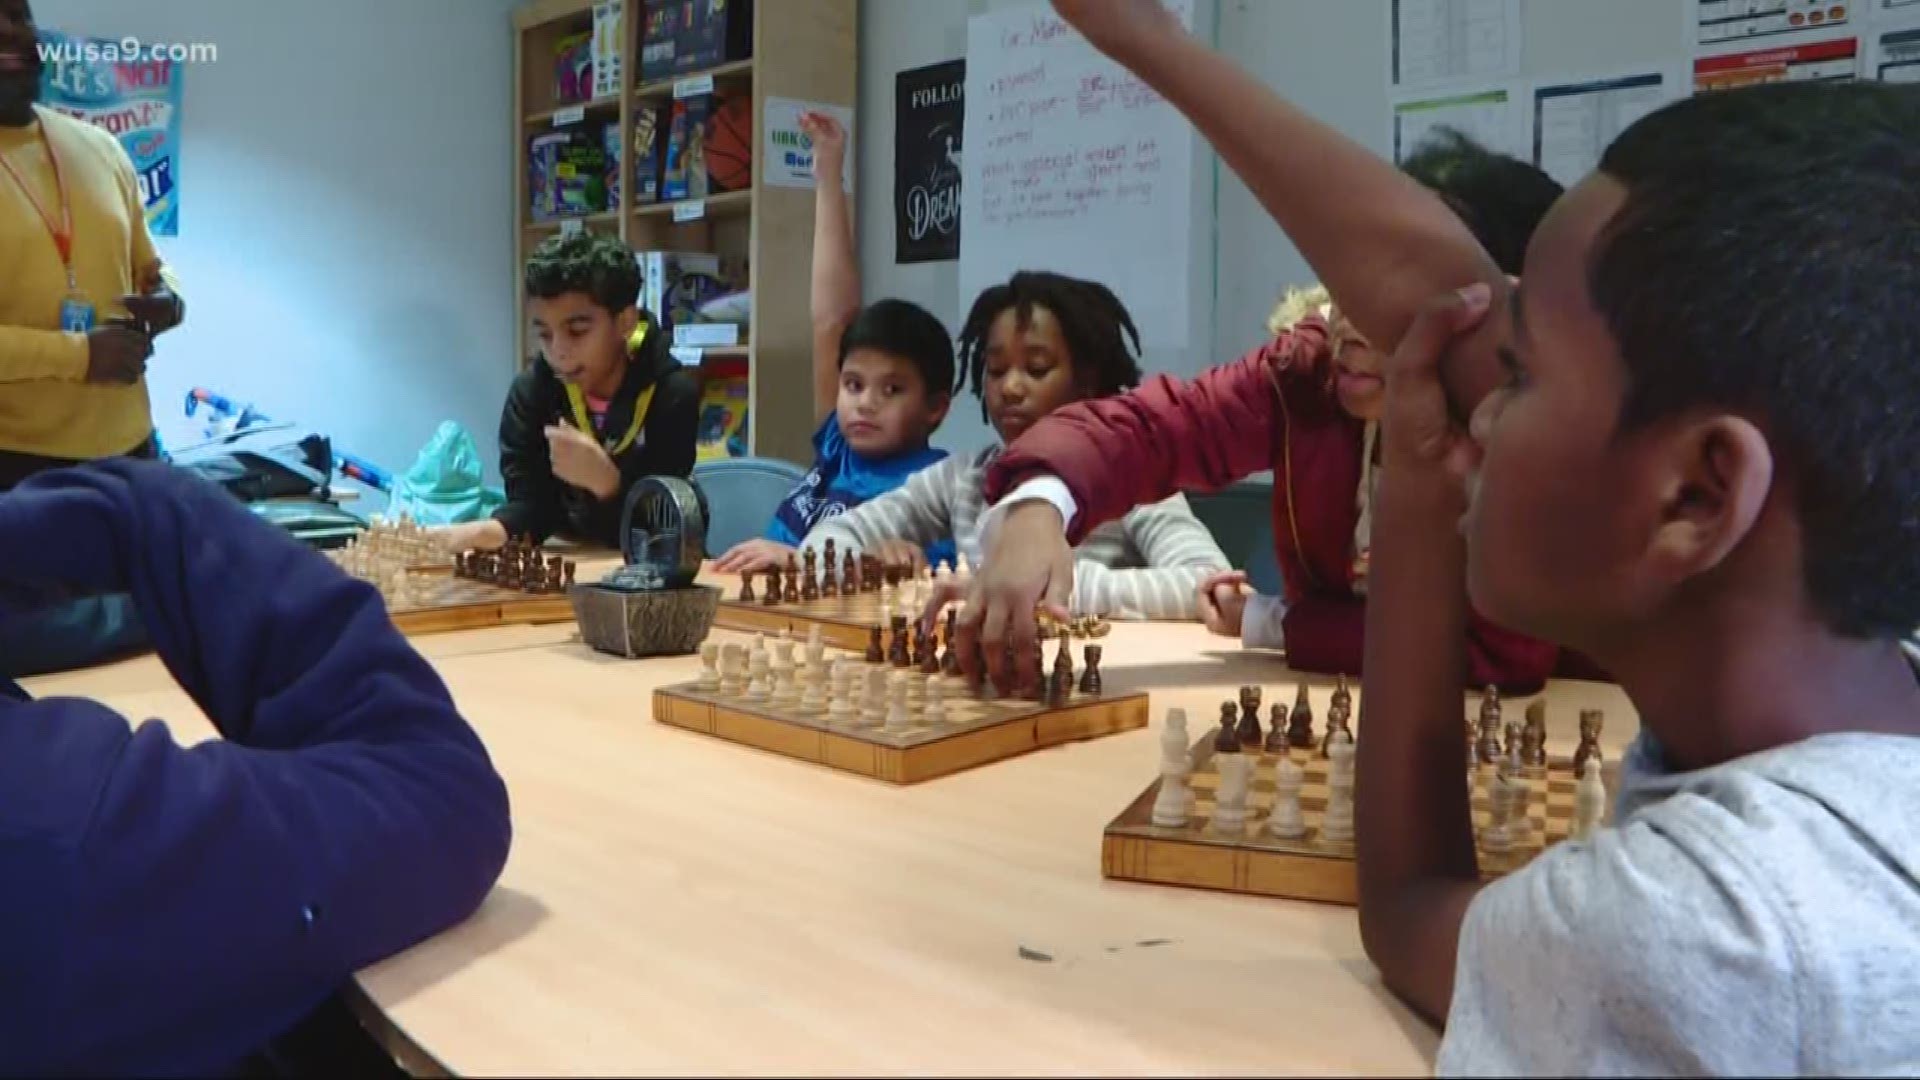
[(584, 419)]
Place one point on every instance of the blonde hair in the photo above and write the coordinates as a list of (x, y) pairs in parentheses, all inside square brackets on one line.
[(1313, 300)]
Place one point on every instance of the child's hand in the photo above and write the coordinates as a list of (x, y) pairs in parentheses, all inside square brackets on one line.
[(1223, 603), (829, 143), (899, 553), (578, 460), (488, 535), (1118, 27), (1417, 431), (1028, 569), (750, 556)]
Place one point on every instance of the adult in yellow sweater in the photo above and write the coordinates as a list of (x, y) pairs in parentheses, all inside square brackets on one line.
[(84, 291)]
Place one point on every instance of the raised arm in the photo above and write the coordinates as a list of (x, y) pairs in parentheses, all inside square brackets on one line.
[(1380, 242), (348, 813), (836, 269)]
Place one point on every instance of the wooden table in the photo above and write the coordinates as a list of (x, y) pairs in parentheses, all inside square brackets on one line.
[(679, 904)]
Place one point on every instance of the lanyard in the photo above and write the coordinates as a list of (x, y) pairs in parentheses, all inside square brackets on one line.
[(62, 233), (584, 420)]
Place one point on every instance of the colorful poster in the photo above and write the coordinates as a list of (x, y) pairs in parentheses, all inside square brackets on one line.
[(132, 92), (788, 160), (1719, 22), (929, 110), (1820, 61), (1897, 58)]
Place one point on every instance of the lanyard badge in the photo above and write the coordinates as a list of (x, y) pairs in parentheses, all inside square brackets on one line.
[(76, 311)]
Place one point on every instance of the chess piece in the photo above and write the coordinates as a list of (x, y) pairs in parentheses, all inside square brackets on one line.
[(1336, 822), (1342, 696), (1519, 825), (810, 577), (850, 582), (1489, 746), (840, 694), (1473, 756), (1276, 729), (1336, 728), (1248, 731), (934, 712), (1090, 679), (772, 598), (1589, 748), (1226, 741), (1589, 802), (791, 593), (759, 689), (1300, 724), (897, 647), (873, 703), (829, 576), (813, 697), (1230, 800), (1498, 835), (785, 690), (898, 718), (950, 659), (1533, 737), (1176, 764), (927, 652), (875, 651), (1286, 821), (1059, 686), (732, 666), (709, 671)]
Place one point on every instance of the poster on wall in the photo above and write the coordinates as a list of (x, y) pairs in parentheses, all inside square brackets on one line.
[(1896, 56), (1492, 117), (1574, 122), (929, 113), (1723, 22), (1837, 60), (130, 94), (788, 152), (1443, 42)]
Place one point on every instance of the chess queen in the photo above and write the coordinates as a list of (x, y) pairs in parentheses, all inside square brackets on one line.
[(1305, 405)]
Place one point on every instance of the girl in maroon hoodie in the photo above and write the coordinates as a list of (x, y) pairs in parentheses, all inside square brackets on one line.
[(1304, 405)]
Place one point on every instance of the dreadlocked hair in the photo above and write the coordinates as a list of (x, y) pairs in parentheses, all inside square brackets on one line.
[(1102, 343)]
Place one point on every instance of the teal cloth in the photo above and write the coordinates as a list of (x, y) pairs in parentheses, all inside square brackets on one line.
[(444, 486)]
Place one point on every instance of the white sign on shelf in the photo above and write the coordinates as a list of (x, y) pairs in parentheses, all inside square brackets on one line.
[(693, 86), (689, 210), (786, 151), (572, 114), (572, 227)]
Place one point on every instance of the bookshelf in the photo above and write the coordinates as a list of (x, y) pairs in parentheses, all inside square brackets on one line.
[(801, 49)]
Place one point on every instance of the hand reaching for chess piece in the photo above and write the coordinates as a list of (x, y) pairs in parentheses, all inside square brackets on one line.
[(1223, 602), (488, 535), (900, 553), (753, 556), (1028, 572)]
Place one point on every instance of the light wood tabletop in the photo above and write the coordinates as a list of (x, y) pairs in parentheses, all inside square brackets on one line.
[(675, 903)]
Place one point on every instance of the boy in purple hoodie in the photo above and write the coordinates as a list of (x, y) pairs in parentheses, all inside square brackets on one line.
[(171, 910)]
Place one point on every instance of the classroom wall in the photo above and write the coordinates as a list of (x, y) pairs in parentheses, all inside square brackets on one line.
[(346, 247), (1327, 56)]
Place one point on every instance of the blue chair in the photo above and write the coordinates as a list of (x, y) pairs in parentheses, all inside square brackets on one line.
[(1241, 521), (741, 496)]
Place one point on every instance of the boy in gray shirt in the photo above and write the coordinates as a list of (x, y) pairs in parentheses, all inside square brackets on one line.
[(1684, 444)]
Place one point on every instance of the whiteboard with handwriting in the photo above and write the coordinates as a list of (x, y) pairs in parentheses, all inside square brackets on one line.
[(1072, 164)]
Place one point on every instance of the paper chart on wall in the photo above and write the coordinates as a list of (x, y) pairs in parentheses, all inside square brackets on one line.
[(1831, 60), (1491, 116), (1575, 121), (1448, 42), (1716, 23), (1896, 55)]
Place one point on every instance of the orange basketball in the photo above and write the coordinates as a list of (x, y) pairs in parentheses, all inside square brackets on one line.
[(730, 146)]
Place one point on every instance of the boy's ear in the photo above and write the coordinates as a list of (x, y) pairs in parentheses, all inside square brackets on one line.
[(626, 322), (937, 406), (1715, 478)]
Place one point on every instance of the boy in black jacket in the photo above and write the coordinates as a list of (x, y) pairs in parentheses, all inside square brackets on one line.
[(608, 406)]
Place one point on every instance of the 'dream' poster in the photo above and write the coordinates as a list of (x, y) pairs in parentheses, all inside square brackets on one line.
[(132, 93)]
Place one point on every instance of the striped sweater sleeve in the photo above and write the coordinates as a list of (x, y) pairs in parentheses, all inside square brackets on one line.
[(919, 511), (1179, 554)]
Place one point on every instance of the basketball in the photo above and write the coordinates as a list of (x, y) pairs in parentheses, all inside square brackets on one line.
[(730, 147)]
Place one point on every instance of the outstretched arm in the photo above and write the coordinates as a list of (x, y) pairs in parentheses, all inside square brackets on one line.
[(348, 813), (836, 269), (1380, 242)]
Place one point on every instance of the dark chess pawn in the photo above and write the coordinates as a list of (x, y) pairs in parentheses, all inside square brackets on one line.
[(1226, 741), (1300, 724), (772, 596), (1249, 730), (1336, 729), (1533, 737), (850, 575), (746, 588), (897, 647), (791, 594), (810, 577), (1342, 696), (829, 579), (1090, 679), (1276, 729), (876, 652), (950, 660), (926, 654)]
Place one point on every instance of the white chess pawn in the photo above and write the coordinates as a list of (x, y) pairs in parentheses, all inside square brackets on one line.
[(935, 710), (898, 718), (1287, 822), (1589, 801), (1176, 764), (873, 699), (732, 667), (1498, 835), (709, 670), (759, 685), (813, 698), (1230, 801), (1336, 823), (840, 699), (786, 690)]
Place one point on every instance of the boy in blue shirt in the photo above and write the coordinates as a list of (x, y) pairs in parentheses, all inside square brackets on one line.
[(882, 380)]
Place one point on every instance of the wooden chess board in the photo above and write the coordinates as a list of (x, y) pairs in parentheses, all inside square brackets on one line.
[(443, 602), (1252, 860), (977, 729), (844, 621)]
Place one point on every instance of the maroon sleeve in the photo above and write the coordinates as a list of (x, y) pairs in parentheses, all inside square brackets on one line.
[(1326, 635), (1165, 437)]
